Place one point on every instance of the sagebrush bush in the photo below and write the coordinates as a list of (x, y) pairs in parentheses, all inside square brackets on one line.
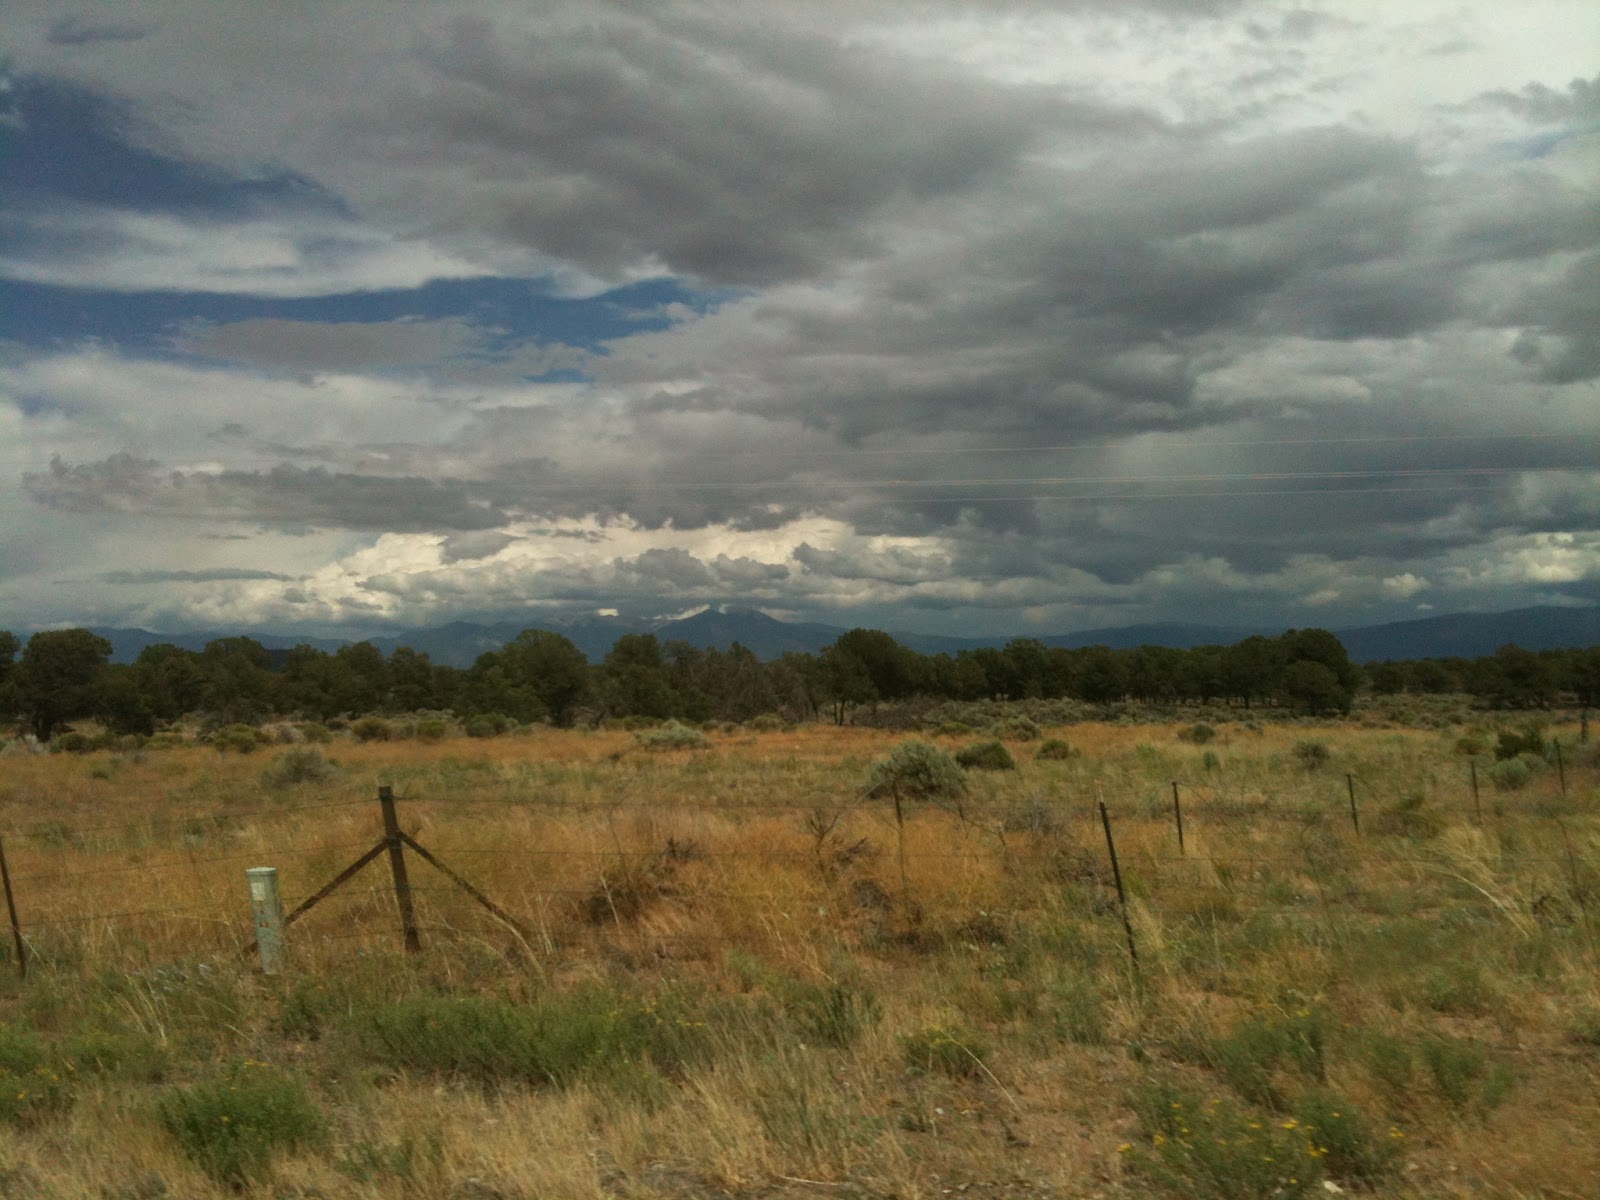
[(371, 729), (1511, 744), (1514, 774), (986, 756), (232, 1123), (488, 725), (1199, 734), (432, 729), (674, 735), (303, 764), (1312, 755), (1017, 728), (241, 739), (917, 771)]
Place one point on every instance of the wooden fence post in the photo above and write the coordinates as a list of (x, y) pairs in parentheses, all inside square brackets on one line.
[(397, 867), (1355, 819), (1177, 812), (266, 906), (11, 911), (1477, 804)]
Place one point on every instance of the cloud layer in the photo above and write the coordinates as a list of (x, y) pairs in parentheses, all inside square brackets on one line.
[(992, 318)]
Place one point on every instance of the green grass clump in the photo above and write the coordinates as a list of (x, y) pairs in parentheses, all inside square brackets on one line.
[(986, 756), (830, 1014), (1218, 1149), (1345, 1143), (556, 1041), (232, 1123), (31, 1087), (1054, 749), (944, 1050)]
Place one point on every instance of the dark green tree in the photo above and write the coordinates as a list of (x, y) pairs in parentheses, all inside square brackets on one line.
[(9, 645), (550, 667), (633, 678), (55, 679)]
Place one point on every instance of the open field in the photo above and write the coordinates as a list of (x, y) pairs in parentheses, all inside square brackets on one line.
[(736, 974)]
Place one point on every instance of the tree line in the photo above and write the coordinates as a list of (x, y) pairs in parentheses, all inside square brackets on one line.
[(59, 676)]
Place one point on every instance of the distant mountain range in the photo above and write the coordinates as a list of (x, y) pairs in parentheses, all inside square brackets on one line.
[(1468, 635)]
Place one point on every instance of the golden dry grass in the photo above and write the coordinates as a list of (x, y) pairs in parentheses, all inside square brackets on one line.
[(728, 870)]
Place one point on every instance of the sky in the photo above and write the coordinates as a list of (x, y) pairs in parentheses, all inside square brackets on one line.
[(340, 316)]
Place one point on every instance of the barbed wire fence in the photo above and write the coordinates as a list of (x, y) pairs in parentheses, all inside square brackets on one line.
[(139, 901)]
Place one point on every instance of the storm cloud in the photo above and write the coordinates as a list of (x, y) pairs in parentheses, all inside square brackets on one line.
[(1004, 316)]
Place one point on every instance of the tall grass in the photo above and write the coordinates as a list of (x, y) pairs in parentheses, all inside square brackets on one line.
[(724, 975)]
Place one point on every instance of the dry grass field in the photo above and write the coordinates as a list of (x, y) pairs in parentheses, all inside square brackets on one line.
[(734, 973)]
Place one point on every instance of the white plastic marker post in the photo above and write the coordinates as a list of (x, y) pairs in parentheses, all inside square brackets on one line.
[(267, 908)]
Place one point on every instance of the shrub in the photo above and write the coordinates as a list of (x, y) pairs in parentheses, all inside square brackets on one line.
[(371, 729), (488, 725), (767, 723), (917, 771), (1199, 734), (432, 729), (164, 741), (313, 731), (233, 1123), (951, 729), (71, 743), (1017, 728), (303, 764), (1514, 774), (1509, 745), (986, 756), (1311, 755), (241, 739), (674, 735), (944, 1050), (1055, 749)]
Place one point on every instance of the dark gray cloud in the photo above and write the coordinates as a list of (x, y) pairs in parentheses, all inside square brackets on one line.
[(284, 497), (735, 150), (208, 575), (82, 31), (1018, 331)]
